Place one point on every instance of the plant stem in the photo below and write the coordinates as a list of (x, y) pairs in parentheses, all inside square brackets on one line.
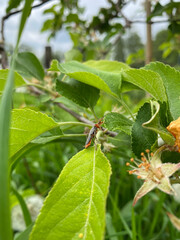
[(74, 135), (75, 124), (26, 165), (173, 181), (41, 87), (126, 107), (93, 112)]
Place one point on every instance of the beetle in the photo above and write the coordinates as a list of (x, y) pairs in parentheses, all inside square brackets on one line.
[(92, 133)]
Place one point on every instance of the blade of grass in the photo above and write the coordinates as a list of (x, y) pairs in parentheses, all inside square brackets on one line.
[(25, 14), (110, 228), (157, 212), (5, 114), (26, 214), (133, 225), (5, 222), (126, 227), (25, 235)]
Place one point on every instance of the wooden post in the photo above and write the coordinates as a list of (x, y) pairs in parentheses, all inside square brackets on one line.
[(148, 51), (48, 56), (3, 56)]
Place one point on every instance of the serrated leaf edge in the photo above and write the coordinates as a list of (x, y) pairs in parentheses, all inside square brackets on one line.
[(42, 114)]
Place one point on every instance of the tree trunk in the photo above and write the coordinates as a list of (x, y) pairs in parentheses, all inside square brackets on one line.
[(148, 51)]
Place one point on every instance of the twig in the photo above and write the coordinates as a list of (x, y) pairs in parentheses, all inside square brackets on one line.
[(4, 62), (82, 119), (16, 12), (36, 91), (174, 181), (30, 176)]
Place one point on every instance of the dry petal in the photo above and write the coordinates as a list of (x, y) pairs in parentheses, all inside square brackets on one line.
[(174, 129), (169, 168), (146, 187), (175, 221), (165, 186)]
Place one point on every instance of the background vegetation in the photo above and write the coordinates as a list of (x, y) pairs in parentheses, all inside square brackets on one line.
[(36, 168)]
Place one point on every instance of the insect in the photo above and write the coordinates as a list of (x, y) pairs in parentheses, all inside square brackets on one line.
[(92, 133)]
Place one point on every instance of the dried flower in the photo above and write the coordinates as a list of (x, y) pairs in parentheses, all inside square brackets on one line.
[(175, 221), (174, 129), (154, 173)]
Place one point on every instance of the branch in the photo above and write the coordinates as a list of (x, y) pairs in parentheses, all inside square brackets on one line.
[(4, 62), (129, 22), (36, 91), (82, 119), (30, 176), (16, 12), (152, 22), (74, 114)]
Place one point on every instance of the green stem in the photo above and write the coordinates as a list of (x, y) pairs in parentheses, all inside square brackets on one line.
[(93, 112), (24, 208), (41, 87), (74, 124), (124, 223), (126, 107), (173, 181), (74, 135), (64, 78)]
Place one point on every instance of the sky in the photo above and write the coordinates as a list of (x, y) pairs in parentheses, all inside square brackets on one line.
[(62, 42)]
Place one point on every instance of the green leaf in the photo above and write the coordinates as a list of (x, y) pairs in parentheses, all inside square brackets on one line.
[(75, 207), (72, 17), (25, 235), (48, 24), (116, 121), (174, 27), (5, 113), (80, 93), (19, 81), (28, 65), (148, 81), (37, 142), (127, 87), (109, 82), (108, 66), (70, 104), (25, 14), (26, 125), (73, 54), (13, 4), (171, 80), (75, 37), (154, 125), (24, 208), (157, 11), (142, 138), (168, 8), (112, 234)]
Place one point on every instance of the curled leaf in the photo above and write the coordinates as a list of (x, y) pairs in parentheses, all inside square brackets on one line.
[(155, 125)]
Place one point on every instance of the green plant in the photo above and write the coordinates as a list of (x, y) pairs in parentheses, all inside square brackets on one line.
[(80, 192), (48, 127)]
